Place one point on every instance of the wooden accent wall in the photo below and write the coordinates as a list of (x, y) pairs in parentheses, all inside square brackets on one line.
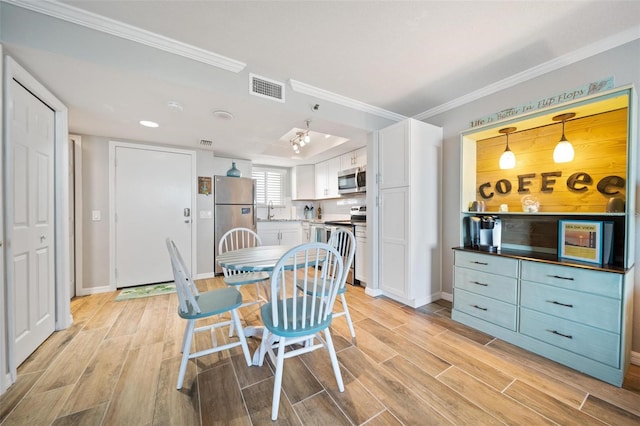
[(600, 144)]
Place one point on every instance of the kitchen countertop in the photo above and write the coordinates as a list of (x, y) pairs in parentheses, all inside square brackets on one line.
[(312, 221)]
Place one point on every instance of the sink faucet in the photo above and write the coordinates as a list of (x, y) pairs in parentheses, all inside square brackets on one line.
[(269, 210)]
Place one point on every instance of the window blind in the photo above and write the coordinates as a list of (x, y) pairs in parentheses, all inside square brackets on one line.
[(269, 185)]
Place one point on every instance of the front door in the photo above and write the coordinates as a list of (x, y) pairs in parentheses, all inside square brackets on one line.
[(31, 126), (152, 201)]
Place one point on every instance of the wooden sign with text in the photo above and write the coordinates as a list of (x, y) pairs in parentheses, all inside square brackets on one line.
[(597, 173), (566, 96)]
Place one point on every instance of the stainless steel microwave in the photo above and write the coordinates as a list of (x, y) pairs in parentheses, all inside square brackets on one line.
[(352, 180)]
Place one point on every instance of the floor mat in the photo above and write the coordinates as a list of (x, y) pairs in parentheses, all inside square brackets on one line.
[(146, 291)]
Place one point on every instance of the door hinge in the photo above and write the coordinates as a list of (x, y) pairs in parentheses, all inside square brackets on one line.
[(377, 201)]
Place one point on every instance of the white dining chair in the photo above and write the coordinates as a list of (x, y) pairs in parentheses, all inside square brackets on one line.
[(236, 239), (194, 305), (293, 316), (343, 240)]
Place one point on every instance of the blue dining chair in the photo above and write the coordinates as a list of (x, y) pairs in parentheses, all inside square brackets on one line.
[(293, 316), (194, 305)]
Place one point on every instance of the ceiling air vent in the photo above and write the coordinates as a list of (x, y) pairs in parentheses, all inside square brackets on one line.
[(266, 88)]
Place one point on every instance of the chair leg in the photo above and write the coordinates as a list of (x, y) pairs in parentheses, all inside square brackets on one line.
[(184, 337), (262, 350), (277, 384), (243, 340), (334, 359), (348, 316), (186, 349), (231, 328)]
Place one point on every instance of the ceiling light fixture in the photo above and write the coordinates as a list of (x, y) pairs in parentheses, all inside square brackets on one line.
[(147, 123), (301, 139), (563, 152), (507, 159)]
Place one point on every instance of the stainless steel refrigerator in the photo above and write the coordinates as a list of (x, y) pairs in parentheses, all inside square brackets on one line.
[(234, 206)]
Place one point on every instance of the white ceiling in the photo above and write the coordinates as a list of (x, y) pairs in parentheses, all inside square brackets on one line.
[(367, 62)]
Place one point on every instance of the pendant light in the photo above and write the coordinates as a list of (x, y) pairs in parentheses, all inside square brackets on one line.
[(507, 159), (563, 153)]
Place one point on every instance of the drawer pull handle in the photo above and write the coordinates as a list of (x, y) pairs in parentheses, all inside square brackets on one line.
[(480, 263), (479, 283), (561, 278), (560, 334), (560, 303), (478, 307)]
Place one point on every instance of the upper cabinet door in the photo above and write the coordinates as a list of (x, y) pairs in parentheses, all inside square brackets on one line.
[(333, 168), (393, 156)]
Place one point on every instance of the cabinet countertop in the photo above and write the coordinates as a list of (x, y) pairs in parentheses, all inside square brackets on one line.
[(542, 257)]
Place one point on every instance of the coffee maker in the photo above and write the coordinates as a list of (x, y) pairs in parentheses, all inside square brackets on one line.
[(484, 232)]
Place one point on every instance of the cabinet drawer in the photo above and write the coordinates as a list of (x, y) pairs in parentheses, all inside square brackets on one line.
[(488, 263), (583, 340), (485, 308), (490, 285), (585, 308), (596, 282)]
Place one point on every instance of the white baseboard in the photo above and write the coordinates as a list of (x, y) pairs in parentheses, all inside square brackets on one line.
[(635, 358), (92, 290), (373, 292), (205, 276), (446, 296)]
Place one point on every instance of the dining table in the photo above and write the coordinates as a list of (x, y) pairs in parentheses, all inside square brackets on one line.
[(253, 259)]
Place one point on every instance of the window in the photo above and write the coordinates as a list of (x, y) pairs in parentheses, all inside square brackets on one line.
[(270, 185)]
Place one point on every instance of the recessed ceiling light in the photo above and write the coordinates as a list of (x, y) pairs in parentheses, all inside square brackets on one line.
[(225, 115), (147, 123)]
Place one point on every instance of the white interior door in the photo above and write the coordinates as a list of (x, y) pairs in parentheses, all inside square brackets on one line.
[(153, 201), (32, 220)]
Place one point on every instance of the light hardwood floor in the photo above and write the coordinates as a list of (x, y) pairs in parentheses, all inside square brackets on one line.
[(118, 365)]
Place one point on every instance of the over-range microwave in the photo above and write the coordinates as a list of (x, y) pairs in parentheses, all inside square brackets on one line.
[(352, 180)]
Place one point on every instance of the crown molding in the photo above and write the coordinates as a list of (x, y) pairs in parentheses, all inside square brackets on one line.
[(96, 22), (562, 61), (307, 89)]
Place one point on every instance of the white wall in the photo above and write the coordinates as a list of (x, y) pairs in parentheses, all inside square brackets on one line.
[(623, 63), (95, 193)]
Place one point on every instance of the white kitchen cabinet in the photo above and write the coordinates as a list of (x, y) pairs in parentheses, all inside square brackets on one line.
[(276, 233), (306, 232), (326, 178), (357, 158), (409, 202), (394, 165), (361, 253), (303, 182)]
